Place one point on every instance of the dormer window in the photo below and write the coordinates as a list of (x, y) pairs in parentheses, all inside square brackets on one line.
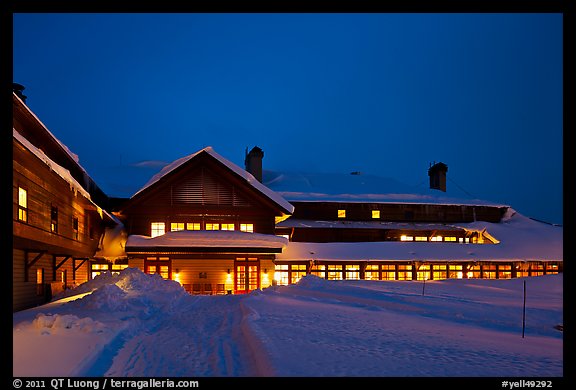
[(375, 214), (341, 213)]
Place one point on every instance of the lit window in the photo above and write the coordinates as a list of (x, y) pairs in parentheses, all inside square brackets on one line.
[(176, 226), (212, 226), (157, 229), (352, 272), (436, 238), (227, 226), (281, 274), (406, 238), (318, 270), (193, 226), (420, 238), (450, 239), (54, 219), (375, 214), (22, 204), (341, 213), (297, 272), (334, 272), (247, 227)]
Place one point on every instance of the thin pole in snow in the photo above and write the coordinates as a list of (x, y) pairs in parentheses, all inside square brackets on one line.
[(524, 310), (423, 285)]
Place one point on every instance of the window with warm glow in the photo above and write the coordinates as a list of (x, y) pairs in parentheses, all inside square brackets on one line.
[(455, 271), (341, 213), (298, 272), (371, 272), (334, 272), (375, 214), (176, 226), (352, 271), (247, 227), (212, 226), (281, 274), (439, 272), (318, 270), (504, 271), (489, 271), (193, 226), (157, 229), (54, 219), (22, 204), (227, 226), (404, 272), (436, 238), (40, 281), (406, 238), (450, 239), (420, 238), (389, 272), (473, 272), (423, 272)]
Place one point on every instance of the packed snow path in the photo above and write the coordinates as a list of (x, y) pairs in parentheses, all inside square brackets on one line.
[(198, 337)]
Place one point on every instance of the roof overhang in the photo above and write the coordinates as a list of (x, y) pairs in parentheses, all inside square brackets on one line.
[(202, 241)]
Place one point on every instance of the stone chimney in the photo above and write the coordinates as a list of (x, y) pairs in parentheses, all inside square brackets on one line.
[(18, 88), (437, 173), (253, 162)]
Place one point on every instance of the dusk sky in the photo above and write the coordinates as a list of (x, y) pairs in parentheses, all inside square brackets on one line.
[(383, 94)]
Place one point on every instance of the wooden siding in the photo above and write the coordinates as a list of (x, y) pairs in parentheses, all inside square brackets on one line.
[(45, 189), (328, 211), (26, 294)]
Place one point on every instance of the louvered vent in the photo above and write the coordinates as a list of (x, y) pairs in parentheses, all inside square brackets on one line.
[(206, 189)]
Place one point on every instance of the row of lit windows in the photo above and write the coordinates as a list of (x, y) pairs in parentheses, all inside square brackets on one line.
[(464, 240), (159, 228), (288, 274)]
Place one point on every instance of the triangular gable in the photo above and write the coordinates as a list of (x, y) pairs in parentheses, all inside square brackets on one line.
[(193, 189)]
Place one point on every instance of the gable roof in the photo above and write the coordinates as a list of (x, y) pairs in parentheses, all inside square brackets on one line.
[(246, 176)]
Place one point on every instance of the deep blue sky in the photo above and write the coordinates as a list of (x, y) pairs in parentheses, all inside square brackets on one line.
[(384, 94)]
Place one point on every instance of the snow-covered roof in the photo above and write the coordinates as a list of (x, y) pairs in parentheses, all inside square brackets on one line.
[(208, 239), (520, 238), (58, 169), (61, 171), (72, 155), (358, 187), (250, 179)]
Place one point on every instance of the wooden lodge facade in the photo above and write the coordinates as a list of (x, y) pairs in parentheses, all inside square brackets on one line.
[(207, 224), (56, 223), (220, 229)]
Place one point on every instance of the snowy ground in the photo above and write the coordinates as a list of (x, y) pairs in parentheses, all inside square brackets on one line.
[(136, 325)]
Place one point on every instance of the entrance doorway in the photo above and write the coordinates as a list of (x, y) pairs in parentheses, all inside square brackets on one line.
[(246, 275)]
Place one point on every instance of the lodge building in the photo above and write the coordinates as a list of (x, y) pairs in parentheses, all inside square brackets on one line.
[(218, 228)]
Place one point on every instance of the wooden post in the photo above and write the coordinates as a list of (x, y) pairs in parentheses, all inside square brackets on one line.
[(524, 310)]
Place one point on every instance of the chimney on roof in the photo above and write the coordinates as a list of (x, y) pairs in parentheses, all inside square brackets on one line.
[(18, 88), (253, 162), (437, 173)]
